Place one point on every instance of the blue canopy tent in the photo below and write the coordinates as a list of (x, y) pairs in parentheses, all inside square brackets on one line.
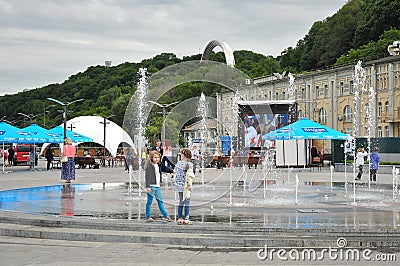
[(75, 137), (41, 135), (11, 134), (305, 129)]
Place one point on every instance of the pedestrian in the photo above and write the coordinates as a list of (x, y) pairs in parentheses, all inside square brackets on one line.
[(49, 155), (183, 184), (195, 157), (164, 159), (5, 154), (68, 168), (314, 152), (360, 161), (32, 155), (11, 154), (143, 155), (153, 176), (374, 161), (131, 159)]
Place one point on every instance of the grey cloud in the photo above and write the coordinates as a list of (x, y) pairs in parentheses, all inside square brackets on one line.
[(65, 37)]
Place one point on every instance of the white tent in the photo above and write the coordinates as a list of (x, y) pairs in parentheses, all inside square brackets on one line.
[(93, 127)]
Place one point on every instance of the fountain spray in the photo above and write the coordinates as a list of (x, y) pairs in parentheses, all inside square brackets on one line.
[(142, 92)]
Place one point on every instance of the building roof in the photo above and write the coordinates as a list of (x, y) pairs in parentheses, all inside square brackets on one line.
[(210, 124)]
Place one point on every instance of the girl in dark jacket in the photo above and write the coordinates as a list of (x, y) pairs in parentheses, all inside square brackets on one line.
[(153, 175)]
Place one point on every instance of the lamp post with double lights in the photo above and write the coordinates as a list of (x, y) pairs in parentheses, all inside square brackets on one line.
[(65, 105), (29, 117), (164, 113), (105, 122)]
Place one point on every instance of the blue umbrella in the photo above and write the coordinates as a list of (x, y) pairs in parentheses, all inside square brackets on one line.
[(42, 135), (75, 137), (305, 129)]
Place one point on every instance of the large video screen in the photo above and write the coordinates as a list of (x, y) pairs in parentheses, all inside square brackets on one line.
[(260, 119), (256, 125)]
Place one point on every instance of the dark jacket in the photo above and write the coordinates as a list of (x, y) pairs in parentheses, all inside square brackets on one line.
[(159, 149), (49, 154), (150, 174)]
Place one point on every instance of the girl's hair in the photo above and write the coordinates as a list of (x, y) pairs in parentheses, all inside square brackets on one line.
[(188, 154), (68, 141), (150, 158), (360, 149)]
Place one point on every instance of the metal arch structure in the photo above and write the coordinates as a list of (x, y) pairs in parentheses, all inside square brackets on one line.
[(230, 59)]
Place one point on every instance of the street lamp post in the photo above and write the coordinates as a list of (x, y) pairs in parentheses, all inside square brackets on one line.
[(164, 113), (105, 125), (65, 111), (29, 116)]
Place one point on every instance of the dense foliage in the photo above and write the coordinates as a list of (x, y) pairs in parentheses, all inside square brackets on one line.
[(356, 24)]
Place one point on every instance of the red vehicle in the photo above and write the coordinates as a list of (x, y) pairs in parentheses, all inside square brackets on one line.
[(22, 154)]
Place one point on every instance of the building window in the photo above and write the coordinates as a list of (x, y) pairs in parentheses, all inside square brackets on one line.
[(300, 114), (322, 116), (379, 109), (303, 93), (341, 87), (379, 132), (386, 107), (387, 131), (348, 130), (366, 111), (351, 86), (348, 114), (326, 91)]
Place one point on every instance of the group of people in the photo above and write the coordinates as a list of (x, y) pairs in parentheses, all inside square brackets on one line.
[(9, 154), (155, 165), (374, 161)]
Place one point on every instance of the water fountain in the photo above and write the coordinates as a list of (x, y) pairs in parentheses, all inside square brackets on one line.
[(141, 123), (202, 110), (359, 87)]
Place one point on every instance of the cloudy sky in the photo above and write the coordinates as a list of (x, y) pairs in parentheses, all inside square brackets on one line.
[(46, 41)]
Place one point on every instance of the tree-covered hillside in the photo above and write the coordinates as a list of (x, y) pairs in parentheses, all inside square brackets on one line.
[(357, 23)]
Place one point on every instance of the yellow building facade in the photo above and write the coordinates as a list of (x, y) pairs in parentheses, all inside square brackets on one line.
[(327, 96)]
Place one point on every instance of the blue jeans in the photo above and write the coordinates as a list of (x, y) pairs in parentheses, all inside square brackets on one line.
[(155, 192), (182, 203)]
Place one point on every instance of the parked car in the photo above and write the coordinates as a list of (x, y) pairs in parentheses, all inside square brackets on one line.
[(22, 154)]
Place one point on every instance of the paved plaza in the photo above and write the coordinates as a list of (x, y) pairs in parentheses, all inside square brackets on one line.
[(229, 228)]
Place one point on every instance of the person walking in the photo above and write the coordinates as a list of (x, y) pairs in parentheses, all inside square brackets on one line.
[(181, 183), (360, 162), (49, 155), (68, 168), (11, 154), (153, 176), (32, 155), (374, 161)]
